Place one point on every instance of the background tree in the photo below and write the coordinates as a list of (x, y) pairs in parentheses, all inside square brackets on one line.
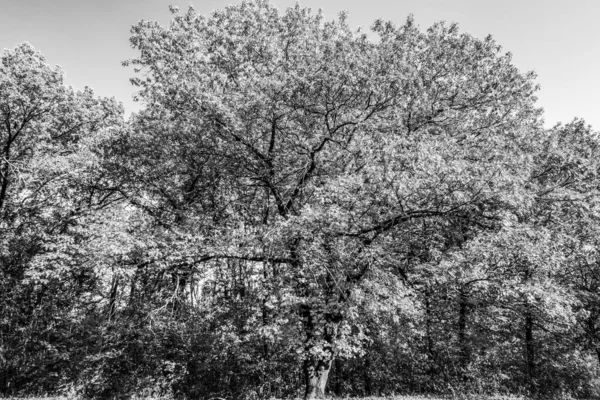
[(50, 139)]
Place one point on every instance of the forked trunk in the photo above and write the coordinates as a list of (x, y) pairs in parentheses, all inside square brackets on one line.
[(316, 374)]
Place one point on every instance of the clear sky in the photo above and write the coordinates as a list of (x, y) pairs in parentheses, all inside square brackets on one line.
[(559, 39)]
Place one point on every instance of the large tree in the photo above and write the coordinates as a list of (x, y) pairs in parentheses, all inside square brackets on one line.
[(315, 155)]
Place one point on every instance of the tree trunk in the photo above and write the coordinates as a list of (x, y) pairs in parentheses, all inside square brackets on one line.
[(529, 348), (339, 376), (367, 376), (428, 335), (315, 375), (112, 299), (462, 331), (529, 342)]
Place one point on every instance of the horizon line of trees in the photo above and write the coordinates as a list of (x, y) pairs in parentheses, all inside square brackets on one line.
[(297, 210)]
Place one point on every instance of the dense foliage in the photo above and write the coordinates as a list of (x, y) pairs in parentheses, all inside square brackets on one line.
[(298, 209)]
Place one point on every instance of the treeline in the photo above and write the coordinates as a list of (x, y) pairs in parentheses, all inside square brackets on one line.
[(298, 209)]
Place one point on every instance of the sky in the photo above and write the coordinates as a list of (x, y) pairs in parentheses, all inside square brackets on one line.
[(558, 39)]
